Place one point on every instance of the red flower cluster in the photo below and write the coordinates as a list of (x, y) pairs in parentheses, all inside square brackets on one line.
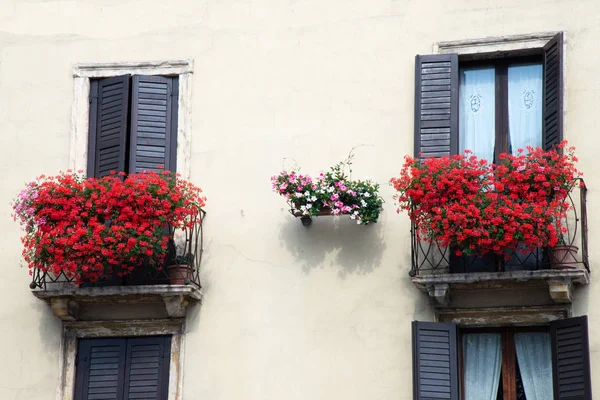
[(86, 227), (478, 207)]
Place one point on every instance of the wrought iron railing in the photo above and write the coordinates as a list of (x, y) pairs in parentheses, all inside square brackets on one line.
[(429, 258), (186, 247)]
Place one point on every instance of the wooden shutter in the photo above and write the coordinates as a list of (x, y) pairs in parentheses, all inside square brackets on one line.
[(109, 124), (436, 105), (553, 92), (435, 362), (153, 123), (100, 366), (571, 359), (147, 374)]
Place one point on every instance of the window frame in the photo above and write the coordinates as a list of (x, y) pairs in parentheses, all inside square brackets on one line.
[(500, 62), (82, 73), (75, 330), (508, 373)]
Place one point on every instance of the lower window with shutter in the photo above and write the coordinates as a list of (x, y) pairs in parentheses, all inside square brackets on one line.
[(123, 368), (536, 363)]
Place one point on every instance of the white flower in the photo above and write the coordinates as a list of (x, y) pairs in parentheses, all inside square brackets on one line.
[(358, 222), (330, 189), (367, 194), (353, 216), (303, 208), (313, 198), (363, 203), (308, 206), (307, 193), (298, 195), (355, 212)]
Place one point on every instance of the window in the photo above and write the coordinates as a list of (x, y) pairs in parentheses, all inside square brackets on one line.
[(133, 124), (123, 368), (502, 364), (489, 106), (500, 107)]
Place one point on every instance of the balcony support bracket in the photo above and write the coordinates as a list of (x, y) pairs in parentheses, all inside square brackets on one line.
[(440, 293), (560, 290)]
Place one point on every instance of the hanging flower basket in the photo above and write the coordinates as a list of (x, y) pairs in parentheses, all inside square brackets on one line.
[(330, 193)]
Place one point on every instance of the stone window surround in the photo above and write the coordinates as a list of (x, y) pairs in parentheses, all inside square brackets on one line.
[(74, 330), (82, 73)]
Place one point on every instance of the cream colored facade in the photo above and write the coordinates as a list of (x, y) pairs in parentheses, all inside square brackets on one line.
[(288, 312)]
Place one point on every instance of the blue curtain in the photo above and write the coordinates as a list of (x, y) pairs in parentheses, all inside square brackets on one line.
[(482, 355), (525, 106), (477, 112), (535, 363)]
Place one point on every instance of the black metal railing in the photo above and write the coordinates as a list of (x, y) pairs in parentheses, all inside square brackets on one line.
[(429, 258), (186, 247)]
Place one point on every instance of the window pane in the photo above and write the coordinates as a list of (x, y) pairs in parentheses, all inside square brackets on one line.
[(482, 355), (525, 106), (477, 113), (535, 363)]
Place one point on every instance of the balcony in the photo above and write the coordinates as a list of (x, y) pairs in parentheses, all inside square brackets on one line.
[(445, 277)]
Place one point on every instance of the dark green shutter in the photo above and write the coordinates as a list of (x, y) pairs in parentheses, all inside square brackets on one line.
[(100, 369), (571, 359), (553, 92), (153, 123), (436, 105), (435, 361), (147, 374), (109, 124)]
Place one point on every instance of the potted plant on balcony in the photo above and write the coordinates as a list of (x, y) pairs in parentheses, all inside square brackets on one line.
[(477, 207), (86, 229), (330, 193)]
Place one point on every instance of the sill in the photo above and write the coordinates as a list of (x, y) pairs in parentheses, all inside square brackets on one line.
[(559, 283), (72, 303)]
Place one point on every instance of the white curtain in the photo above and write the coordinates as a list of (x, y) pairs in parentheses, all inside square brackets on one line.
[(482, 354), (477, 111), (535, 363), (525, 106)]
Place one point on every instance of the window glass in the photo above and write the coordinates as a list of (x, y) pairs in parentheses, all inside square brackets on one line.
[(525, 106), (477, 111)]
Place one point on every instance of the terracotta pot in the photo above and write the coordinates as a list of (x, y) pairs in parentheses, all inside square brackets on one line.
[(564, 256), (178, 273)]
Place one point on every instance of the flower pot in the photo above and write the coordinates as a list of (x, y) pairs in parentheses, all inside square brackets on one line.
[(178, 273), (564, 256)]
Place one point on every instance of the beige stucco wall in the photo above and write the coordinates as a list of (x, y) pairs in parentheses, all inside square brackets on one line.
[(289, 312)]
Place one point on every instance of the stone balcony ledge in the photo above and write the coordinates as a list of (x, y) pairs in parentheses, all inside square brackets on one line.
[(72, 303), (559, 282)]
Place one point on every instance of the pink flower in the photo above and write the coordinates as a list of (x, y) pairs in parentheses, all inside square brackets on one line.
[(339, 204), (334, 197), (335, 211)]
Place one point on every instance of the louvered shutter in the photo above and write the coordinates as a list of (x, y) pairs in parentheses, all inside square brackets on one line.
[(436, 105), (435, 362), (100, 369), (553, 92), (153, 123), (109, 125), (571, 359), (147, 374)]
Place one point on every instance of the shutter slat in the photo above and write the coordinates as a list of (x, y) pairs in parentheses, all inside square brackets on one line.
[(147, 374), (153, 123), (109, 116), (570, 359), (435, 365), (553, 92), (99, 374), (436, 105)]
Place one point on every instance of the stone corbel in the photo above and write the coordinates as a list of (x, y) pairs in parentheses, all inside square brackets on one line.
[(64, 308), (176, 306), (560, 290), (440, 293)]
